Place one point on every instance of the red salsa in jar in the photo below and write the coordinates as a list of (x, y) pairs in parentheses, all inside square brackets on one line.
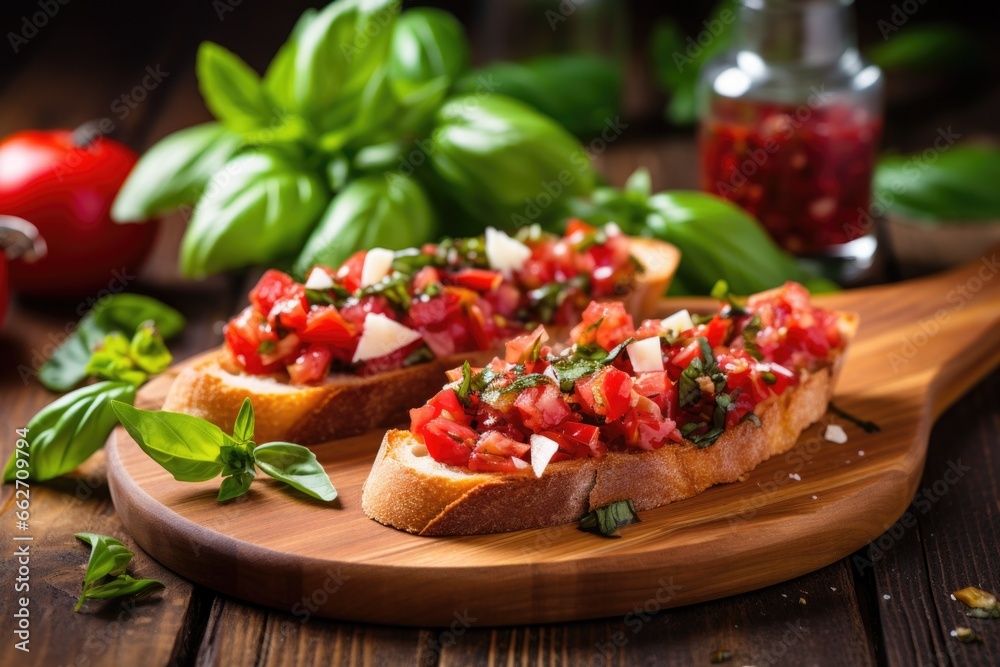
[(803, 171)]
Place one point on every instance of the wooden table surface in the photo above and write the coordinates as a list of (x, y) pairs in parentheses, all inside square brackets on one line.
[(888, 604)]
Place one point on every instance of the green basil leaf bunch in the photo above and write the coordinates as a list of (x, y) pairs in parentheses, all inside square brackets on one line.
[(608, 519), (132, 361), (194, 450), (505, 164), (105, 577), (359, 91), (580, 92), (717, 239), (118, 313)]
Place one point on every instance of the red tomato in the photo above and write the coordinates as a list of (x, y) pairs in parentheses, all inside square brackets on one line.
[(66, 191), (542, 407), (607, 393), (245, 334), (448, 442), (519, 349), (272, 287), (326, 325), (578, 439), (420, 416), (349, 274), (607, 324), (483, 462), (310, 366), (495, 442), (479, 280)]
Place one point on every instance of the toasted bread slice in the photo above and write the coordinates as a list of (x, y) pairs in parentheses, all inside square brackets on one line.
[(214, 387), (409, 490)]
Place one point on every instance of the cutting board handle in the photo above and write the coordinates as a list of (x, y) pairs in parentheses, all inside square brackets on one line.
[(940, 334)]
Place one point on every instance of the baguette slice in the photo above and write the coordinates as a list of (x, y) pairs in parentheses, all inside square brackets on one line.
[(214, 386), (409, 490)]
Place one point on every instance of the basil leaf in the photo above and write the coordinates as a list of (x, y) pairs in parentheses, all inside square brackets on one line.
[(189, 448), (428, 46), (959, 186), (462, 391), (707, 438), (108, 557), (370, 211), (148, 350), (494, 156), (580, 92), (121, 586), (111, 361), (233, 92), (243, 429), (608, 519), (296, 466), (235, 485), (279, 79), (337, 52), (174, 172), (750, 331), (264, 209), (122, 313), (69, 430), (717, 241), (570, 370)]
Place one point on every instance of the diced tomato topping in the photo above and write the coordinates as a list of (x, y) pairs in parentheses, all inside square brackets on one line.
[(246, 335), (542, 407), (426, 277), (683, 358), (447, 441), (606, 324), (312, 365), (480, 280), (349, 275), (521, 348), (483, 462), (326, 325), (607, 393), (273, 286), (495, 442)]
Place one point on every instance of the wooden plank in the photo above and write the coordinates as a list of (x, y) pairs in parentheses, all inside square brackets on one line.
[(835, 501), (770, 626), (948, 542)]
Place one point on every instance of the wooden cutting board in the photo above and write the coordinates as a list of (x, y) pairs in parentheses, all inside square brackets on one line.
[(921, 345)]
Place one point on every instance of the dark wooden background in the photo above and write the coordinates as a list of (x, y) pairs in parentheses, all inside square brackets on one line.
[(887, 605)]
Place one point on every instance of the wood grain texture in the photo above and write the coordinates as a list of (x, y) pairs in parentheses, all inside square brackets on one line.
[(271, 546)]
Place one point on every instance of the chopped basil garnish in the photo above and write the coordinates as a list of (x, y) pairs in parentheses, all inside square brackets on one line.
[(607, 520), (868, 426), (688, 389), (394, 288), (493, 393), (420, 355), (463, 389), (736, 307), (750, 331)]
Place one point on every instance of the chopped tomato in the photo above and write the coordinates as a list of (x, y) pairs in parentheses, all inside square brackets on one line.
[(447, 404), (577, 438), (686, 355), (607, 393), (577, 227), (426, 277), (448, 442), (480, 280), (495, 442), (483, 462), (525, 348), (349, 275), (273, 286), (420, 416), (312, 365), (542, 407), (607, 324), (246, 335), (659, 388), (326, 325)]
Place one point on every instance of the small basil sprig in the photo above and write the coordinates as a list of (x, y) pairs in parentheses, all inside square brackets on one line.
[(105, 577), (608, 519), (68, 431), (119, 313), (194, 450)]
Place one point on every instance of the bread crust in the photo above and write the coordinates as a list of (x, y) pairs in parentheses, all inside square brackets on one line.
[(213, 387), (422, 496)]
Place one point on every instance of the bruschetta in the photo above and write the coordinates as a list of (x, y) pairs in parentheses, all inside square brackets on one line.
[(353, 348), (654, 414)]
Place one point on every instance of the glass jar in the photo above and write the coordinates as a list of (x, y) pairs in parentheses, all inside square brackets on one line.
[(790, 120)]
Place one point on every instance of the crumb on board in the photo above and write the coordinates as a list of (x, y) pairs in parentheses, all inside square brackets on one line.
[(886, 596), (795, 476), (835, 433)]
